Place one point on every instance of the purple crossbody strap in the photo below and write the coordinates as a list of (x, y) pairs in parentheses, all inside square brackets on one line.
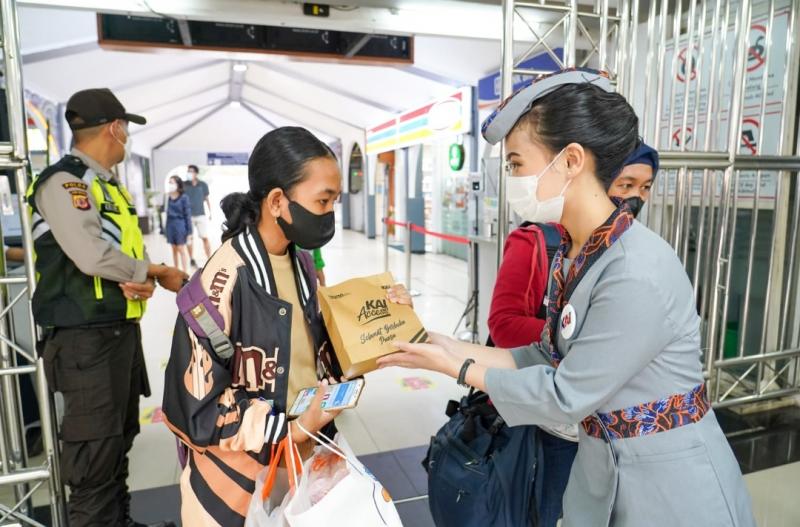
[(202, 317)]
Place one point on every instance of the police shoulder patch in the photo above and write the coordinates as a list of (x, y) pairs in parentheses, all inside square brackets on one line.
[(75, 185), (80, 199)]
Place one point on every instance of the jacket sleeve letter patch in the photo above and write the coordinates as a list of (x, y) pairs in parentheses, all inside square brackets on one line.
[(80, 199)]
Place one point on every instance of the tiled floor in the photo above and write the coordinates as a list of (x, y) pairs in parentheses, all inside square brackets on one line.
[(399, 410)]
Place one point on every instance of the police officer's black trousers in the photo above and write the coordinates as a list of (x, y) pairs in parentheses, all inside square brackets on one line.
[(101, 373)]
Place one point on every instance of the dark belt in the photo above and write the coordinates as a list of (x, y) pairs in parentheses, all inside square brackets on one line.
[(100, 325), (650, 418)]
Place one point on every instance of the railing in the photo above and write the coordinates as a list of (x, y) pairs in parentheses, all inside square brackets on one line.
[(14, 462)]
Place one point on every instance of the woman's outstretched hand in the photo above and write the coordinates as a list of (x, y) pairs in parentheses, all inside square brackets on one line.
[(433, 357)]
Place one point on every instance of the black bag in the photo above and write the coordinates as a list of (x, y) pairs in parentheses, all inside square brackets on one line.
[(480, 471)]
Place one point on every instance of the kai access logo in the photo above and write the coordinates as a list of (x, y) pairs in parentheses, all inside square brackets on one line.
[(373, 310)]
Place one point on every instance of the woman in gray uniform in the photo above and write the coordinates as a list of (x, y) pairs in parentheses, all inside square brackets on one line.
[(620, 352)]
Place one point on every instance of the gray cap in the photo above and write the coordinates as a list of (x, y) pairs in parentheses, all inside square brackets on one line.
[(499, 124)]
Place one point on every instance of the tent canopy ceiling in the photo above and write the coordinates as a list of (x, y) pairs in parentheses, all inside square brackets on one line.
[(173, 89)]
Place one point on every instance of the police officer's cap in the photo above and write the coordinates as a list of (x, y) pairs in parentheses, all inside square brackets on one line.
[(502, 121), (97, 106)]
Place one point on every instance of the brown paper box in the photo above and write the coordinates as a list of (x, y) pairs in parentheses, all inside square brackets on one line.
[(362, 323)]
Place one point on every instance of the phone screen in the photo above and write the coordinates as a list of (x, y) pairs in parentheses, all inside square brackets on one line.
[(344, 395)]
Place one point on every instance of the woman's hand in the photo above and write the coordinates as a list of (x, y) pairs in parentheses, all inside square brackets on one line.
[(315, 418), (433, 357), (398, 294)]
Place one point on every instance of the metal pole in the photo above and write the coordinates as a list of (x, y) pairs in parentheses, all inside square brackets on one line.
[(572, 35), (648, 79), (408, 255), (17, 129), (506, 87), (790, 90), (706, 210), (662, 55), (714, 142), (385, 245), (720, 298), (602, 47), (18, 136), (756, 206), (628, 38), (683, 207)]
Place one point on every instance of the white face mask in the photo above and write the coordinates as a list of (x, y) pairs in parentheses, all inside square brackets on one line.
[(172, 187), (127, 145), (524, 202)]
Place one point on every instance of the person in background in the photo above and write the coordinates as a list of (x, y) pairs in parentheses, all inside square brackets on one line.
[(319, 265), (516, 320), (197, 191), (14, 254), (179, 222), (94, 277)]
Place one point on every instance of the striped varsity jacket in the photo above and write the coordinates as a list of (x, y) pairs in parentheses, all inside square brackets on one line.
[(230, 412)]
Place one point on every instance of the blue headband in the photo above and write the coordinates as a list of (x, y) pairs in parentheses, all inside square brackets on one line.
[(643, 155)]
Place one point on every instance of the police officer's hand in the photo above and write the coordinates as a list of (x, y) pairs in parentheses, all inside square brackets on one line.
[(170, 278), (137, 291)]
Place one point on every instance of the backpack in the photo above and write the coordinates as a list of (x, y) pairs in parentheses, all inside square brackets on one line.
[(480, 471)]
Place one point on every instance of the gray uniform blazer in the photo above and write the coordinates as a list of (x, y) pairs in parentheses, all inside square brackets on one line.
[(634, 337)]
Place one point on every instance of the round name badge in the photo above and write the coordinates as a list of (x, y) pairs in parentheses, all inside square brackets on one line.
[(569, 320)]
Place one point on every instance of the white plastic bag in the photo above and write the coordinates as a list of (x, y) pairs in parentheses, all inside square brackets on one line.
[(356, 500), (262, 511)]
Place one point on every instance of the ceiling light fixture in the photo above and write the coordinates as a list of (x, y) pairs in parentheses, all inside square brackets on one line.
[(240, 68)]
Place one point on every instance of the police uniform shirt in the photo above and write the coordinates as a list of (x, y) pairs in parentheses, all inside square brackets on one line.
[(65, 203)]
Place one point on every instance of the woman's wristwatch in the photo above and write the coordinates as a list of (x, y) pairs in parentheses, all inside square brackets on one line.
[(462, 375)]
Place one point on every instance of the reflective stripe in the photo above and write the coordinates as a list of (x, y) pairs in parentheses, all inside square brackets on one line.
[(112, 228), (279, 428), (260, 261), (98, 288), (246, 248), (268, 431), (110, 239), (106, 193), (40, 229)]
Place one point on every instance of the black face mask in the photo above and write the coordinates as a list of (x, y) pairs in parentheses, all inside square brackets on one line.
[(635, 204), (308, 230)]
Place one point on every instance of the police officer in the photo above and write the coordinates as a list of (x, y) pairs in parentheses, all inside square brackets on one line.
[(94, 280)]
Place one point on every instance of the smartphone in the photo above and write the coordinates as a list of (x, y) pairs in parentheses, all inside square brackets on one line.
[(337, 397)]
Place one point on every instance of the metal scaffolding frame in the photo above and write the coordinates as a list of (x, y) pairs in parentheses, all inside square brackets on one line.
[(15, 467), (570, 22), (729, 201)]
